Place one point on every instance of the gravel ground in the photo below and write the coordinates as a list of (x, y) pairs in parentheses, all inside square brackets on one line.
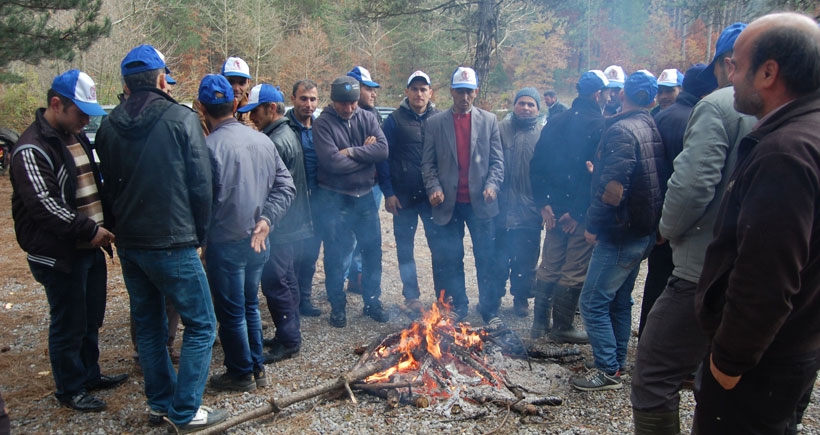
[(326, 352)]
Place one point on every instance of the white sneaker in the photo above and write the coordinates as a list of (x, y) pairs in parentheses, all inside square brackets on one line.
[(205, 417)]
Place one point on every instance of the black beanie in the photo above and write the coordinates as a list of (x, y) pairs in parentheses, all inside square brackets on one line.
[(344, 90)]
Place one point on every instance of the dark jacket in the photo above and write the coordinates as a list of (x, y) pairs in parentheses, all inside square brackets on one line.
[(305, 135), (558, 170), (44, 178), (557, 108), (355, 174), (404, 131), (759, 293), (516, 209), (296, 225), (157, 172), (672, 125), (626, 193)]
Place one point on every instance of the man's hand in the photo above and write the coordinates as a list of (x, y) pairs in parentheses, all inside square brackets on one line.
[(102, 238), (547, 218), (489, 195), (392, 205), (590, 238), (371, 140), (345, 152), (436, 198), (260, 235), (725, 381), (568, 224)]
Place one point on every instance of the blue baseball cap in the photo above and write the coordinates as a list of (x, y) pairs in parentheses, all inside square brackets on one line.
[(142, 58), (215, 89), (591, 81), (725, 43), (260, 94), (641, 87), (170, 80), (671, 78), (361, 74), (79, 88)]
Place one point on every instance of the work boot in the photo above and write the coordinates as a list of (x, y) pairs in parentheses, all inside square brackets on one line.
[(307, 309), (541, 308), (656, 423), (563, 313), (338, 317)]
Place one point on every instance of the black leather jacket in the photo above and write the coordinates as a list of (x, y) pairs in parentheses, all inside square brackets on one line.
[(157, 172)]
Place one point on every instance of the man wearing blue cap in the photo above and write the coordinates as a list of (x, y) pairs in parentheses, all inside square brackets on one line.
[(463, 170), (671, 124), (253, 190), (158, 177), (759, 294), (280, 284), (560, 187), (60, 220), (621, 221), (518, 224), (672, 346)]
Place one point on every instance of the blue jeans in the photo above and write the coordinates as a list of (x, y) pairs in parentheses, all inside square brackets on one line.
[(447, 245), (234, 272), (76, 307), (354, 262), (606, 299), (342, 218), (151, 276), (404, 229), (517, 253)]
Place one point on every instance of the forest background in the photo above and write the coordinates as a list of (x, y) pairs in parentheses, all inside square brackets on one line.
[(510, 43)]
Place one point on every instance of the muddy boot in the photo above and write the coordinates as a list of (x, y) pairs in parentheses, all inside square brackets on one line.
[(656, 423), (563, 312), (541, 308)]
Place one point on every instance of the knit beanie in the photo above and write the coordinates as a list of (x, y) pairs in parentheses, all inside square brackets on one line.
[(529, 92), (344, 90)]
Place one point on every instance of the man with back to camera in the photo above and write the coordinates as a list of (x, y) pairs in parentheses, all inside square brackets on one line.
[(158, 178), (463, 169), (403, 185), (60, 220)]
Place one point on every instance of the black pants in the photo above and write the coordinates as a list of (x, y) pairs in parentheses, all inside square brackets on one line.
[(660, 269), (5, 425), (763, 402)]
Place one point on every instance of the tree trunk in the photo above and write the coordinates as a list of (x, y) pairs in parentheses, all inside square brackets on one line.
[(485, 39)]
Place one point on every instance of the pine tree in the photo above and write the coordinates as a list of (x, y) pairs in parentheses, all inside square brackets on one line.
[(35, 30)]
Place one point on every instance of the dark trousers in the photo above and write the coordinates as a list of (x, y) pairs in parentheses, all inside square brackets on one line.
[(281, 290), (404, 229), (660, 268), (307, 253), (763, 402), (342, 218), (449, 259), (5, 424), (77, 307), (670, 349), (517, 253)]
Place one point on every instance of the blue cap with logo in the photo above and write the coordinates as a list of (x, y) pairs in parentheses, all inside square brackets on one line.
[(236, 67), (142, 58), (79, 88), (671, 78), (261, 94), (215, 89), (464, 78), (362, 75), (641, 87)]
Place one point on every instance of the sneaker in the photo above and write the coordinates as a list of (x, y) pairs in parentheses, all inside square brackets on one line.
[(589, 364), (155, 418), (596, 380), (457, 314), (84, 402), (227, 382), (261, 377), (521, 307), (205, 417), (280, 352), (496, 324), (105, 382), (338, 318), (414, 307), (376, 312)]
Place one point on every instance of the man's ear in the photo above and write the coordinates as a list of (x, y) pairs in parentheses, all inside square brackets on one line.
[(769, 73), (55, 104)]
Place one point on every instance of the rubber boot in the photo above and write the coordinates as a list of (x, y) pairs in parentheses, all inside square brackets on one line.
[(656, 423), (541, 308), (565, 300)]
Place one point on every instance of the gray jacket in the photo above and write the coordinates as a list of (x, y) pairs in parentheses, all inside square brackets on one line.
[(698, 181), (517, 209), (439, 162)]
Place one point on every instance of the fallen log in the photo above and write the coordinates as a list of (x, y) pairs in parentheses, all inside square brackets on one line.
[(277, 405)]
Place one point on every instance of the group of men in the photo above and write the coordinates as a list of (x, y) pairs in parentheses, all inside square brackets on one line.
[(260, 202)]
